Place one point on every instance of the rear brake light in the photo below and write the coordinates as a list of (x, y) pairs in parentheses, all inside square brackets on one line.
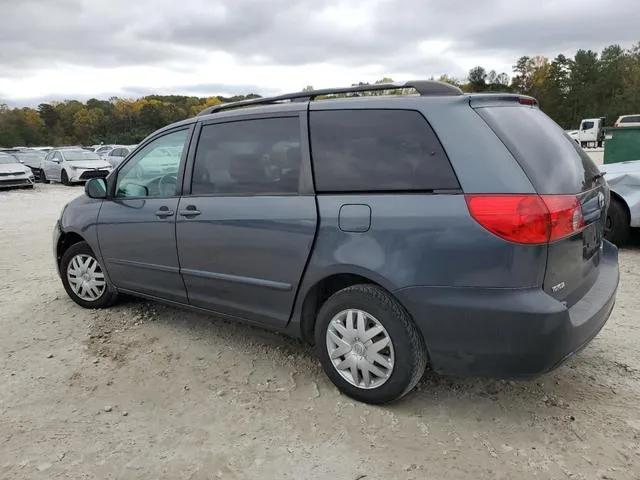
[(529, 219), (527, 101)]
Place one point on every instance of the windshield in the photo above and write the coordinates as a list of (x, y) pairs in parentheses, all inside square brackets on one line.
[(80, 155), (7, 159)]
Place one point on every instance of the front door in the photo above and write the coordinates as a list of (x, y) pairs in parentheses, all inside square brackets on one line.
[(245, 231), (136, 226), (53, 167)]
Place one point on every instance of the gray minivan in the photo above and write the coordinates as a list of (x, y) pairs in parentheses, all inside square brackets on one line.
[(393, 232)]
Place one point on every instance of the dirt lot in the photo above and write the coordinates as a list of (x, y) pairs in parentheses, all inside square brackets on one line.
[(146, 391)]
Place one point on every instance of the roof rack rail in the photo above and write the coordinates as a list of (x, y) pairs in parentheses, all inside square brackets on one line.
[(423, 87)]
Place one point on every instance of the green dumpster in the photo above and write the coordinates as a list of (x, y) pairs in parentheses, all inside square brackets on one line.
[(621, 144)]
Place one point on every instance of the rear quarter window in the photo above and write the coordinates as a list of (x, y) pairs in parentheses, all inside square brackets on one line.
[(554, 163), (377, 150)]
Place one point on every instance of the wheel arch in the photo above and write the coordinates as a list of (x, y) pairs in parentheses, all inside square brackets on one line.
[(622, 201), (325, 286), (66, 240)]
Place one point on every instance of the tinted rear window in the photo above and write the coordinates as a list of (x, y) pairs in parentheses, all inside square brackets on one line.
[(377, 150), (632, 119), (554, 163)]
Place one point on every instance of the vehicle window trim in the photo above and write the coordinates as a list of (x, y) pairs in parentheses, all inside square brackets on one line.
[(303, 183), (114, 179)]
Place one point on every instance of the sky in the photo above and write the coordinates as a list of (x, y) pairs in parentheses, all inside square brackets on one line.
[(61, 49)]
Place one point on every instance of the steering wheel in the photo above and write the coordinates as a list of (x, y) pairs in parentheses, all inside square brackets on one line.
[(167, 184)]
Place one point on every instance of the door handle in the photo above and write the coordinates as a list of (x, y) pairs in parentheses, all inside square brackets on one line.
[(164, 212), (190, 211)]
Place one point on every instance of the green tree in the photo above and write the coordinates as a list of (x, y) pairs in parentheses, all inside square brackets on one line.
[(478, 79)]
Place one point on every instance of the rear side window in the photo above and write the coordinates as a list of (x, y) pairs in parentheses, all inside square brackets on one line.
[(554, 163), (377, 150), (248, 157), (631, 119)]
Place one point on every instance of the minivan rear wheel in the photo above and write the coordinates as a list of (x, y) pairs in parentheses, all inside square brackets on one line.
[(84, 279), (368, 345), (618, 223)]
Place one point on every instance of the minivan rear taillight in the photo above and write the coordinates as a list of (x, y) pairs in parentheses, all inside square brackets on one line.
[(530, 219)]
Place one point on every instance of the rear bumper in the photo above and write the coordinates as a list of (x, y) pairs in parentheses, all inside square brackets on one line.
[(509, 333)]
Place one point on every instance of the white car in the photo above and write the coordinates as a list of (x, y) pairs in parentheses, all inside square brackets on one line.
[(73, 165), (13, 173), (116, 155), (628, 121)]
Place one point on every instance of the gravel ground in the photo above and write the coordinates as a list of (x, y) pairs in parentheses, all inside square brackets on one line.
[(145, 391)]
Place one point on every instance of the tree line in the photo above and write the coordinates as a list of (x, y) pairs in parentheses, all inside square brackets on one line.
[(568, 89)]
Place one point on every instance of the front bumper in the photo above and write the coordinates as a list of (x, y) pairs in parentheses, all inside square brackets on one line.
[(10, 181), (78, 176), (509, 332)]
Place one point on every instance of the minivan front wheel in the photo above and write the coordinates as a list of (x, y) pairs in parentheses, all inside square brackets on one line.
[(84, 279), (368, 345)]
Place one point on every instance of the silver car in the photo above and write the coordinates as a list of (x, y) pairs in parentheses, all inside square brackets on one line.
[(13, 173), (73, 165), (116, 155), (29, 157)]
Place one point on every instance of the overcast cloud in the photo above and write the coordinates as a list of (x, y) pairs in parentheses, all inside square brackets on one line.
[(56, 49)]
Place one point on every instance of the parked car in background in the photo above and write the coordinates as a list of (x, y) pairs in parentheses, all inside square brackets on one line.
[(101, 149), (73, 165), (30, 157), (116, 155), (628, 121), (13, 173), (623, 179), (365, 226), (45, 150)]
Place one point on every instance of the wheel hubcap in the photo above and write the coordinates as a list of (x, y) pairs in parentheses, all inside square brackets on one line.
[(360, 348), (86, 278)]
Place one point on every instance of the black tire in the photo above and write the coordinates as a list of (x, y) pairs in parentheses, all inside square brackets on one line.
[(618, 223), (408, 345), (64, 178), (109, 294)]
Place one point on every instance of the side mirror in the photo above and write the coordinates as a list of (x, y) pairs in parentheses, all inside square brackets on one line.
[(96, 188)]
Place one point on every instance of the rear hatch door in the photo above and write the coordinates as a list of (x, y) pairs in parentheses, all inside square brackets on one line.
[(557, 166)]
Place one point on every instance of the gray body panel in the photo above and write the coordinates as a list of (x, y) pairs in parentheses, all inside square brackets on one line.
[(244, 256), (139, 248), (426, 240)]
